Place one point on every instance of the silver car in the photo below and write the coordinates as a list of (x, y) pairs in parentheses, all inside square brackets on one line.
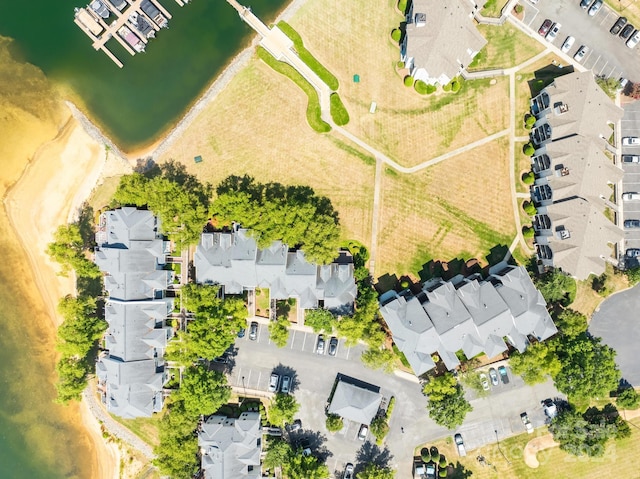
[(630, 196), (580, 54), (631, 141), (568, 43), (634, 40), (553, 33)]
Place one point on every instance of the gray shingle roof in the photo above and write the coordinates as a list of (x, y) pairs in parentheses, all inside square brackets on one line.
[(473, 318), (230, 448), (286, 273), (355, 403), (126, 224), (137, 329), (443, 42)]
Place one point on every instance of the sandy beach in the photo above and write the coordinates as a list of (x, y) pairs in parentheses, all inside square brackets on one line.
[(49, 193)]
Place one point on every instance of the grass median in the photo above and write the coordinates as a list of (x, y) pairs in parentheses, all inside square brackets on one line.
[(314, 117)]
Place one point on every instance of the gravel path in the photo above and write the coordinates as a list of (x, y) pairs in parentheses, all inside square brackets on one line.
[(115, 428)]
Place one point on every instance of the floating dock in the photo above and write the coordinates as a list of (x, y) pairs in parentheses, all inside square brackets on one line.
[(130, 22)]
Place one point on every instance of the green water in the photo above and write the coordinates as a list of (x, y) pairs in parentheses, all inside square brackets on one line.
[(39, 439), (137, 103)]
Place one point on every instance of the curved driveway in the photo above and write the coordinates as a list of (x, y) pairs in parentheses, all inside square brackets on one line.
[(617, 322)]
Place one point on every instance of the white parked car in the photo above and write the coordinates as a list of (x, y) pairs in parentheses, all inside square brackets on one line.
[(484, 381), (631, 141), (527, 423), (273, 383), (460, 445), (631, 196), (631, 158), (580, 54), (553, 33), (568, 43), (634, 40)]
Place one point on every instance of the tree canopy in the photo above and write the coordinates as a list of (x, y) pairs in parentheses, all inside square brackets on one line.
[(374, 471), (447, 405), (68, 250), (179, 200), (202, 392), (214, 327), (536, 362), (294, 464), (378, 358), (279, 332), (176, 456), (320, 320), (72, 378), (588, 369), (556, 287), (571, 323), (294, 215), (81, 327), (282, 410)]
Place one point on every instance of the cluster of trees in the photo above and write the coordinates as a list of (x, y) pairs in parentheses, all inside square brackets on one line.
[(179, 200), (214, 326), (447, 405), (202, 392), (282, 409), (294, 464), (632, 90), (279, 331), (294, 215), (82, 324), (375, 471), (587, 434)]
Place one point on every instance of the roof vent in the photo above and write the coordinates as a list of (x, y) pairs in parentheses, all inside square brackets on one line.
[(560, 108), (562, 170), (420, 19), (563, 233)]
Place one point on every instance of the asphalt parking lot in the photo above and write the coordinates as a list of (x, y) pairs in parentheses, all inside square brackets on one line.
[(616, 323), (631, 180), (313, 377), (608, 55)]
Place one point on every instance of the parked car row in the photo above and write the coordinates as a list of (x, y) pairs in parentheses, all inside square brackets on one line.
[(549, 30), (626, 31), (591, 6), (277, 385), (496, 376), (332, 349)]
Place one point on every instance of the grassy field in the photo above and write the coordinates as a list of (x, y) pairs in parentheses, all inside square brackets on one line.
[(621, 459), (455, 209), (493, 8), (626, 8), (145, 428), (507, 47), (257, 126), (408, 127)]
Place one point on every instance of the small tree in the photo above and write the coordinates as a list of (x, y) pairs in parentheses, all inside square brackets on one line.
[(282, 410), (421, 87), (529, 208), (528, 149), (529, 120), (320, 320), (400, 64), (628, 399), (279, 332), (396, 34), (443, 472), (408, 80), (518, 9), (443, 461), (528, 232), (334, 423), (529, 178), (425, 454), (379, 427), (435, 454)]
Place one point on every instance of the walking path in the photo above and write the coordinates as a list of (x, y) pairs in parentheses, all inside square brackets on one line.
[(114, 427)]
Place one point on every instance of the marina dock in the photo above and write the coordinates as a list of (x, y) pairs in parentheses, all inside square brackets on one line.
[(130, 22)]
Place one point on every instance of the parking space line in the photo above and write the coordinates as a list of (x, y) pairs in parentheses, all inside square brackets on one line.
[(595, 63), (348, 351), (258, 381), (247, 379), (603, 67), (293, 339), (239, 376), (304, 340)]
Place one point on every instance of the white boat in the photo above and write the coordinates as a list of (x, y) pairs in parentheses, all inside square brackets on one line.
[(128, 36)]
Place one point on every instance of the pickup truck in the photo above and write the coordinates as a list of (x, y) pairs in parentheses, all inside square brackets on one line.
[(527, 424)]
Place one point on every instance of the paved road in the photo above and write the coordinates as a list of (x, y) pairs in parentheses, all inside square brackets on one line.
[(616, 322), (608, 55), (314, 375)]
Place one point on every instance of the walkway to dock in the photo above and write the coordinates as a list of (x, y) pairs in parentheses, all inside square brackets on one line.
[(281, 47)]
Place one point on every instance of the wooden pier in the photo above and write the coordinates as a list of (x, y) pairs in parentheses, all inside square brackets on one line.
[(100, 32)]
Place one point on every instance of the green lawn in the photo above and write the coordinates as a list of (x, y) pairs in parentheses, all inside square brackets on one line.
[(146, 429), (493, 8), (507, 47), (313, 107), (306, 56)]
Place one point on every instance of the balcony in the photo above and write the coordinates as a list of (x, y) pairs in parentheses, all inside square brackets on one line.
[(540, 163), (542, 134), (543, 252), (540, 103), (542, 194), (541, 222)]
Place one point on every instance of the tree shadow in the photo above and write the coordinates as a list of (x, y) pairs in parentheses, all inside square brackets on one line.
[(283, 370), (314, 440), (177, 173), (545, 76), (371, 453), (458, 471), (86, 224)]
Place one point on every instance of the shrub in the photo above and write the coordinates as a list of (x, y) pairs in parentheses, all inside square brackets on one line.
[(443, 472), (408, 80), (396, 34), (528, 149), (379, 428), (443, 462), (400, 64), (518, 9), (529, 120), (435, 454), (425, 454), (455, 86), (404, 284), (529, 208), (421, 87), (334, 423), (447, 87), (402, 5), (392, 403), (528, 178), (528, 232), (628, 399)]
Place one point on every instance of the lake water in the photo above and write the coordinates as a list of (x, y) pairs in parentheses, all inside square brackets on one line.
[(39, 439), (135, 104)]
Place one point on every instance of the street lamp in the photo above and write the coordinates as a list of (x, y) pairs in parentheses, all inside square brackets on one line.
[(499, 449), (245, 391)]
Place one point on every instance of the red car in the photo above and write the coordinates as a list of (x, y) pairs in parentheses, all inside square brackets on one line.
[(546, 26)]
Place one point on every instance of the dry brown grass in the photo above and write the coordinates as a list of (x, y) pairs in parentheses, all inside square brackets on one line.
[(257, 126), (587, 300), (459, 208), (408, 127)]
